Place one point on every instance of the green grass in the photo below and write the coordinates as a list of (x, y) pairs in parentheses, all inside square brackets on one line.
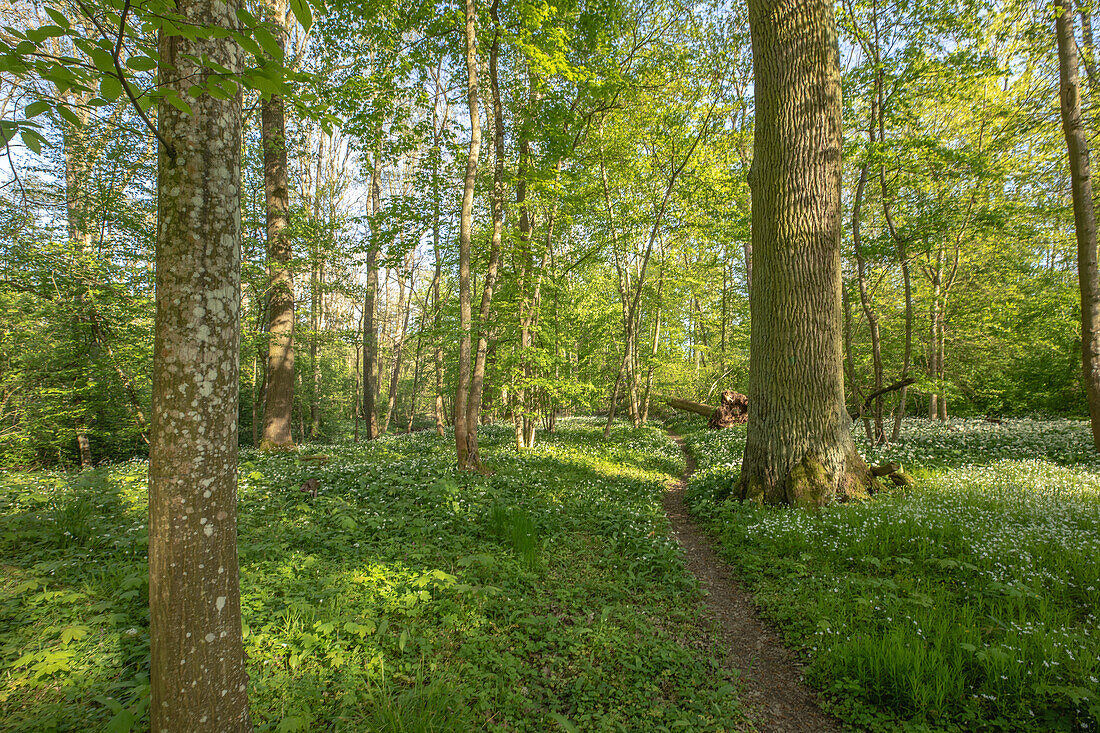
[(405, 597), (970, 602)]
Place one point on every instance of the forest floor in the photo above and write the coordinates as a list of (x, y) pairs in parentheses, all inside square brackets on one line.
[(405, 596), (772, 692), (968, 602)]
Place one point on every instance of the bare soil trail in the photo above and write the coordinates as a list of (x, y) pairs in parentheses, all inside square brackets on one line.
[(772, 692)]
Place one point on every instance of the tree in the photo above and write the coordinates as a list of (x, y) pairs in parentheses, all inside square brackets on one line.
[(1084, 216), (799, 450), (465, 237), (197, 673), (279, 395)]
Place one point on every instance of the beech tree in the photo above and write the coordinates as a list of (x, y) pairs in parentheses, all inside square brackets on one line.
[(1084, 215), (279, 395), (799, 448), (197, 675)]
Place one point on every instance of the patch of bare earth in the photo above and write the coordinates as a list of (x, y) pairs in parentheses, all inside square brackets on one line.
[(772, 691)]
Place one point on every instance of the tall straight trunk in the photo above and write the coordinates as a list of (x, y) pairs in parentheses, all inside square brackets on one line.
[(279, 390), (865, 298), (936, 403), (496, 203), (416, 364), (849, 362), (316, 300), (80, 238), (799, 450), (1084, 216), (197, 671), (370, 328), (653, 348), (524, 266), (465, 237), (404, 308)]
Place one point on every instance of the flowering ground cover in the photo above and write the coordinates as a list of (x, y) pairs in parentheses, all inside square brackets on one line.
[(403, 597), (970, 602)]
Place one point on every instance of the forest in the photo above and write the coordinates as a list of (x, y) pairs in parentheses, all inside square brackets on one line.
[(533, 365)]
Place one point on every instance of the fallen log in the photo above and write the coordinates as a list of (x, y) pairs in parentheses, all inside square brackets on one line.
[(688, 406)]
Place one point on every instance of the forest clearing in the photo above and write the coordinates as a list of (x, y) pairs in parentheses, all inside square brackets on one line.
[(533, 365)]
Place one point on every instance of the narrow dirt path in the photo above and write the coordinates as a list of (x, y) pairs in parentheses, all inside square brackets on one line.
[(771, 691)]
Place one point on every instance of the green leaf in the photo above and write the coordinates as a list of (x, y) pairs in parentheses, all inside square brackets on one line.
[(141, 63), (58, 17), (7, 131), (32, 140), (175, 101), (36, 108), (104, 62), (301, 11), (73, 632), (69, 116), (269, 43), (110, 88)]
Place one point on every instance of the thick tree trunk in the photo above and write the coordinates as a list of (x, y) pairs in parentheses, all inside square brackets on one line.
[(465, 236), (799, 450), (1084, 215), (279, 392), (197, 671)]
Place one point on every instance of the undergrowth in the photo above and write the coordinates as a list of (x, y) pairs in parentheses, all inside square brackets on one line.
[(969, 602), (404, 597)]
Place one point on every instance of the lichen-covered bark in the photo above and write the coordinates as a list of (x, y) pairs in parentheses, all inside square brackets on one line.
[(799, 450), (1084, 214), (279, 396), (198, 676)]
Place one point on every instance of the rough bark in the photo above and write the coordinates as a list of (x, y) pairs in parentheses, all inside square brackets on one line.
[(799, 450), (1084, 215), (279, 393), (197, 671), (465, 235)]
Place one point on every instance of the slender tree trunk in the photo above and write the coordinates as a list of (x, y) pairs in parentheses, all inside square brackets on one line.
[(279, 390), (496, 201), (465, 236), (404, 308), (197, 671), (934, 365), (865, 298), (1084, 212), (370, 327), (799, 450)]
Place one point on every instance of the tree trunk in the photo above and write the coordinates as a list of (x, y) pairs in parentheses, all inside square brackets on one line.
[(496, 203), (370, 328), (799, 450), (865, 297), (404, 308), (1084, 216), (197, 671), (316, 299), (279, 391), (465, 235)]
